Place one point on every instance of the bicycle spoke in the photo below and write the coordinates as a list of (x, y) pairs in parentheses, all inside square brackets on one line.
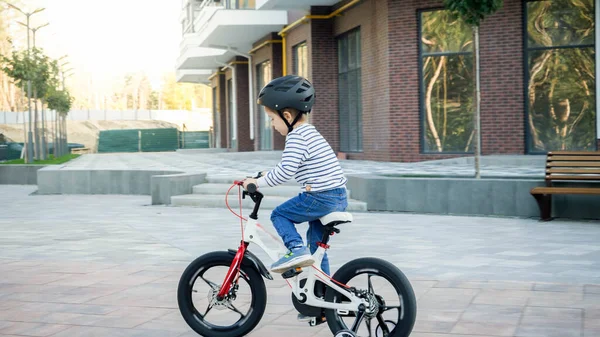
[(386, 308), (359, 317), (207, 309), (210, 283), (383, 326), (371, 291), (232, 307)]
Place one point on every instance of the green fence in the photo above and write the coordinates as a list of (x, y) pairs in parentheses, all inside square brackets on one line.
[(156, 140), (118, 141), (194, 140), (151, 140)]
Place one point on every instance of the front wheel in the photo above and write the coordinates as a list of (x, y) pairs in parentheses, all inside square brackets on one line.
[(235, 315), (393, 309)]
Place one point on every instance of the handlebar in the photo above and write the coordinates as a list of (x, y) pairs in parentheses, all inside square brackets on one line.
[(252, 191), (251, 188)]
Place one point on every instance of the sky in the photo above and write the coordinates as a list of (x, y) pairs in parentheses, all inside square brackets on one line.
[(105, 39)]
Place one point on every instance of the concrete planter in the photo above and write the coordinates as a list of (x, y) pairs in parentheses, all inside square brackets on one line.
[(466, 196), (23, 174)]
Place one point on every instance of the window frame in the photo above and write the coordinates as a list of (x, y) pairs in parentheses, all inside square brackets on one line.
[(526, 50), (295, 58), (360, 134), (421, 56)]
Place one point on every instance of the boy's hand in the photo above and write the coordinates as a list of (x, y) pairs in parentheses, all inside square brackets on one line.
[(249, 181)]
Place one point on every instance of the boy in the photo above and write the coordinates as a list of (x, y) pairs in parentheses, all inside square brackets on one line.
[(310, 160)]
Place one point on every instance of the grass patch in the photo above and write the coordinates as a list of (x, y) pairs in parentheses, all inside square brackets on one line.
[(50, 161)]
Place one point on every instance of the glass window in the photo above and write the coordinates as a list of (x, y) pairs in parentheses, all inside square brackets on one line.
[(300, 64), (263, 76), (560, 77), (350, 91), (447, 82)]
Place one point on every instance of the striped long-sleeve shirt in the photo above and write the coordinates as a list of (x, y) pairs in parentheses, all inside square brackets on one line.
[(309, 159)]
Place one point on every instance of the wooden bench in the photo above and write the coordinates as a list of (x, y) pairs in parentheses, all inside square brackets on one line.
[(567, 166), (80, 150)]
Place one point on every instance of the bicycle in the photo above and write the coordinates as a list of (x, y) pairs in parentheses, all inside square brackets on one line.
[(314, 293)]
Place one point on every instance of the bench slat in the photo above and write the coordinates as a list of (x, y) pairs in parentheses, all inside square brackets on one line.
[(565, 190), (573, 170), (573, 164), (566, 177), (574, 158), (576, 153)]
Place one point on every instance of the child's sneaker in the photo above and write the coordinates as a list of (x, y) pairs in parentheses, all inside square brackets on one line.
[(296, 257)]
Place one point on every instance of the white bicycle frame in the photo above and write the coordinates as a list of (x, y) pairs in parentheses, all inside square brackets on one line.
[(250, 235)]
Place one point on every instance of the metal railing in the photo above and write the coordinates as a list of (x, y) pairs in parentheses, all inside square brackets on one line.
[(198, 11)]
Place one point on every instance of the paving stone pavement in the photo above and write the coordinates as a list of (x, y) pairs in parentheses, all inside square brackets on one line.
[(102, 265), (236, 163)]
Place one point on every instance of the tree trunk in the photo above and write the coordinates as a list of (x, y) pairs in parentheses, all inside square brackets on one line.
[(24, 152), (44, 142), (35, 126), (477, 126)]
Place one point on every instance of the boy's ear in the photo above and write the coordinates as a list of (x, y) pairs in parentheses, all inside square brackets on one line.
[(287, 115)]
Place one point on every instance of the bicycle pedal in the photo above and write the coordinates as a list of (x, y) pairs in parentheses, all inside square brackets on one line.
[(291, 273), (314, 321)]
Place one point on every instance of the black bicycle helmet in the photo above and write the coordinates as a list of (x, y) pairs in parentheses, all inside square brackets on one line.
[(289, 91)]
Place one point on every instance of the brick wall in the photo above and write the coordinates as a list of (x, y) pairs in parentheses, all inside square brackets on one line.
[(324, 69), (297, 35), (502, 98), (228, 74), (273, 53), (277, 71), (372, 18), (243, 112), (501, 80), (261, 55)]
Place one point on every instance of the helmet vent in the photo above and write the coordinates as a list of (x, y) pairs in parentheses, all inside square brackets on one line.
[(300, 90), (308, 98)]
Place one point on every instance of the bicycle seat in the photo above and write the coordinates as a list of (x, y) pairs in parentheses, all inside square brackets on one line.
[(336, 218)]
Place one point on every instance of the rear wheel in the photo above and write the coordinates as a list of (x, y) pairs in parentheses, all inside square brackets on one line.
[(237, 314), (395, 307)]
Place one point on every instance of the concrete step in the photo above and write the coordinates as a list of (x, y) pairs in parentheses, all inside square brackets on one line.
[(228, 180), (277, 191), (269, 202)]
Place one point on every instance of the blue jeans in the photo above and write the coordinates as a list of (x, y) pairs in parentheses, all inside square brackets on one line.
[(308, 206)]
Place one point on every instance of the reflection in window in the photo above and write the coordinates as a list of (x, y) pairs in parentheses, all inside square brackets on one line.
[(263, 76), (447, 82), (561, 77), (300, 55), (350, 91)]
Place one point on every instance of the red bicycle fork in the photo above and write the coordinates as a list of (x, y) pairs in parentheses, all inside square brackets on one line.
[(233, 270)]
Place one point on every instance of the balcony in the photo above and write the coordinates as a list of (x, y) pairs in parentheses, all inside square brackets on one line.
[(230, 23), (201, 58), (292, 4), (193, 75)]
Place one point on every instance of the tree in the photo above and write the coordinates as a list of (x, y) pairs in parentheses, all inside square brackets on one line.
[(21, 68), (41, 82), (473, 12)]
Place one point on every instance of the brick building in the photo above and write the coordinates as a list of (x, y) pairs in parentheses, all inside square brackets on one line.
[(395, 79)]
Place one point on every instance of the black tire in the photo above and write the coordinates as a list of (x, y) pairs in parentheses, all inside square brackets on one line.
[(195, 320), (386, 270)]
